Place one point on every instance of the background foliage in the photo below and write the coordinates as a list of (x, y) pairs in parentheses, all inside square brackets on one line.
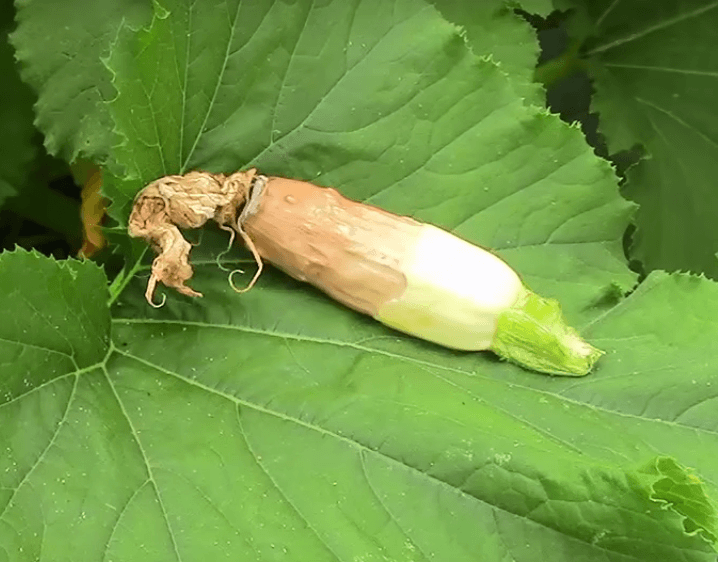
[(277, 425)]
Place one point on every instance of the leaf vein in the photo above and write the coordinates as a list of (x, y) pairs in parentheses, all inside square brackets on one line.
[(43, 453), (354, 345), (652, 28), (266, 472), (217, 86), (146, 461), (392, 516), (349, 442)]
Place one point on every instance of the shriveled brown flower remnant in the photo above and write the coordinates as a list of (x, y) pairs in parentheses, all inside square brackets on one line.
[(189, 201), (312, 233)]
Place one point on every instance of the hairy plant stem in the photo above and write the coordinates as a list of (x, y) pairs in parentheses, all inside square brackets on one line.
[(560, 67), (124, 277)]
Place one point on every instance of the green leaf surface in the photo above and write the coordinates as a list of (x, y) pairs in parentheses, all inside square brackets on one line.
[(492, 28), (54, 316), (215, 430), (683, 491), (60, 45), (655, 67)]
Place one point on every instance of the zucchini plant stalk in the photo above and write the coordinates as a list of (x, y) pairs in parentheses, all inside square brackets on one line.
[(411, 276)]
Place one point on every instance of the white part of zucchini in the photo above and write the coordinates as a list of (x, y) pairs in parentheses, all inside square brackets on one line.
[(464, 297), (455, 292)]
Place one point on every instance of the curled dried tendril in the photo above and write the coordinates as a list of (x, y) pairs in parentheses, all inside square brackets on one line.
[(173, 202)]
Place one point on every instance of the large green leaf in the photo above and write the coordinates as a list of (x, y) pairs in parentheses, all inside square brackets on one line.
[(493, 28), (60, 45), (278, 426), (655, 66)]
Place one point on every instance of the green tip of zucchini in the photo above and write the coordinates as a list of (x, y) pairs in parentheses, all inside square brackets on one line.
[(534, 334)]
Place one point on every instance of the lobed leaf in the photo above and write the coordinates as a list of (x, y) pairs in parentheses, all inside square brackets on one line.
[(60, 45), (655, 69), (216, 430), (493, 28)]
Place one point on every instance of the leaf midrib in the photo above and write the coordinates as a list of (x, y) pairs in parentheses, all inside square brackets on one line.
[(363, 449), (419, 362), (633, 36)]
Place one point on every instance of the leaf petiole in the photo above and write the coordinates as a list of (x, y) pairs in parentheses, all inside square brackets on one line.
[(123, 278)]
